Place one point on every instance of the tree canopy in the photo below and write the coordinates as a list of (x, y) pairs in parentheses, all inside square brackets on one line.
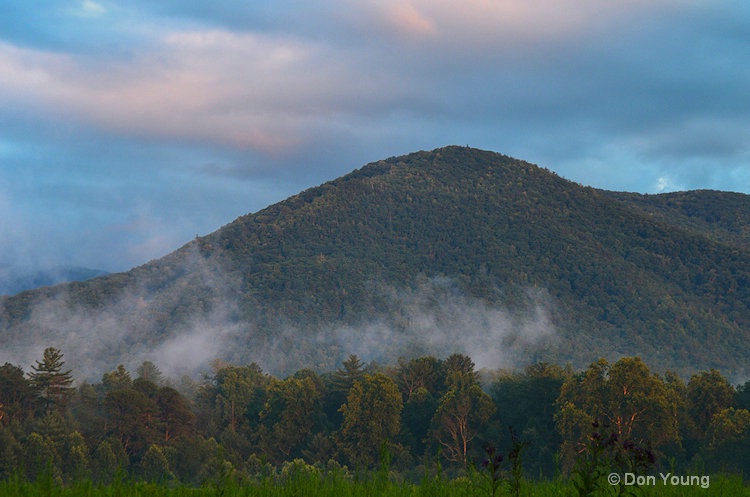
[(243, 421)]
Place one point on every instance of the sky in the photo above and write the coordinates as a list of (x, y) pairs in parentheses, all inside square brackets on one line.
[(128, 128)]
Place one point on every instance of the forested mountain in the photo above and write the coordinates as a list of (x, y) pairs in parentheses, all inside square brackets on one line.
[(455, 249)]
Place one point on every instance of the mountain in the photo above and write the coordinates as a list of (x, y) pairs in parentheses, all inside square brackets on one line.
[(455, 249), (13, 280)]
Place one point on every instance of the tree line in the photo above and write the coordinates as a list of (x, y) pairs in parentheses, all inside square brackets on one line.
[(418, 416)]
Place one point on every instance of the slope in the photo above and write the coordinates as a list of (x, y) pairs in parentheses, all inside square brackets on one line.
[(434, 246)]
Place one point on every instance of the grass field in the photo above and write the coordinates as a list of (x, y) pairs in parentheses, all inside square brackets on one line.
[(337, 486)]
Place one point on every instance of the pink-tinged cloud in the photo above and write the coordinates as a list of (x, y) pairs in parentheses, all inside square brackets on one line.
[(274, 93), (409, 21), (482, 22), (243, 90)]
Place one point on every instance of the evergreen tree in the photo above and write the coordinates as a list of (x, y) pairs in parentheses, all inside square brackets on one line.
[(343, 379), (149, 371), (50, 382), (338, 385), (117, 379)]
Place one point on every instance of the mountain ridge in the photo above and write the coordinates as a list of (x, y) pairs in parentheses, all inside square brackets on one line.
[(14, 280), (399, 241)]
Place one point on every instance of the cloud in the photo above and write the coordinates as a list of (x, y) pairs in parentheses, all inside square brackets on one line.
[(112, 106), (406, 20), (91, 8), (243, 90), (482, 22), (664, 184), (275, 91), (192, 351)]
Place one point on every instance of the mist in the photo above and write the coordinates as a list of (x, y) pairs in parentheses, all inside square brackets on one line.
[(436, 318), (187, 325)]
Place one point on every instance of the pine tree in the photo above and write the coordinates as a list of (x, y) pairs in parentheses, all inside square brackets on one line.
[(353, 370), (148, 371), (50, 382)]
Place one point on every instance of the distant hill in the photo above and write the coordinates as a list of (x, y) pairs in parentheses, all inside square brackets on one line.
[(14, 280), (455, 249)]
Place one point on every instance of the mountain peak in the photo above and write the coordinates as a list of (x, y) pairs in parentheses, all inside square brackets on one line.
[(430, 252)]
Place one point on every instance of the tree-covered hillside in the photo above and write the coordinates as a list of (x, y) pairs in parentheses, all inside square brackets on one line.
[(418, 419), (449, 242)]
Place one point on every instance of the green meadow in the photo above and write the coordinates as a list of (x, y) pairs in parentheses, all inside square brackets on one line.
[(343, 486)]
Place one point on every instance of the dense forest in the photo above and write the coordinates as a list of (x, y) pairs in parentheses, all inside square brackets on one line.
[(419, 416), (297, 284)]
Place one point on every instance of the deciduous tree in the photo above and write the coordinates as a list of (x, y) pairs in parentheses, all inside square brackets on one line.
[(131, 417), (461, 413), (421, 372), (708, 393), (625, 397), (372, 417), (16, 396), (175, 417), (240, 395), (292, 410), (527, 403)]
